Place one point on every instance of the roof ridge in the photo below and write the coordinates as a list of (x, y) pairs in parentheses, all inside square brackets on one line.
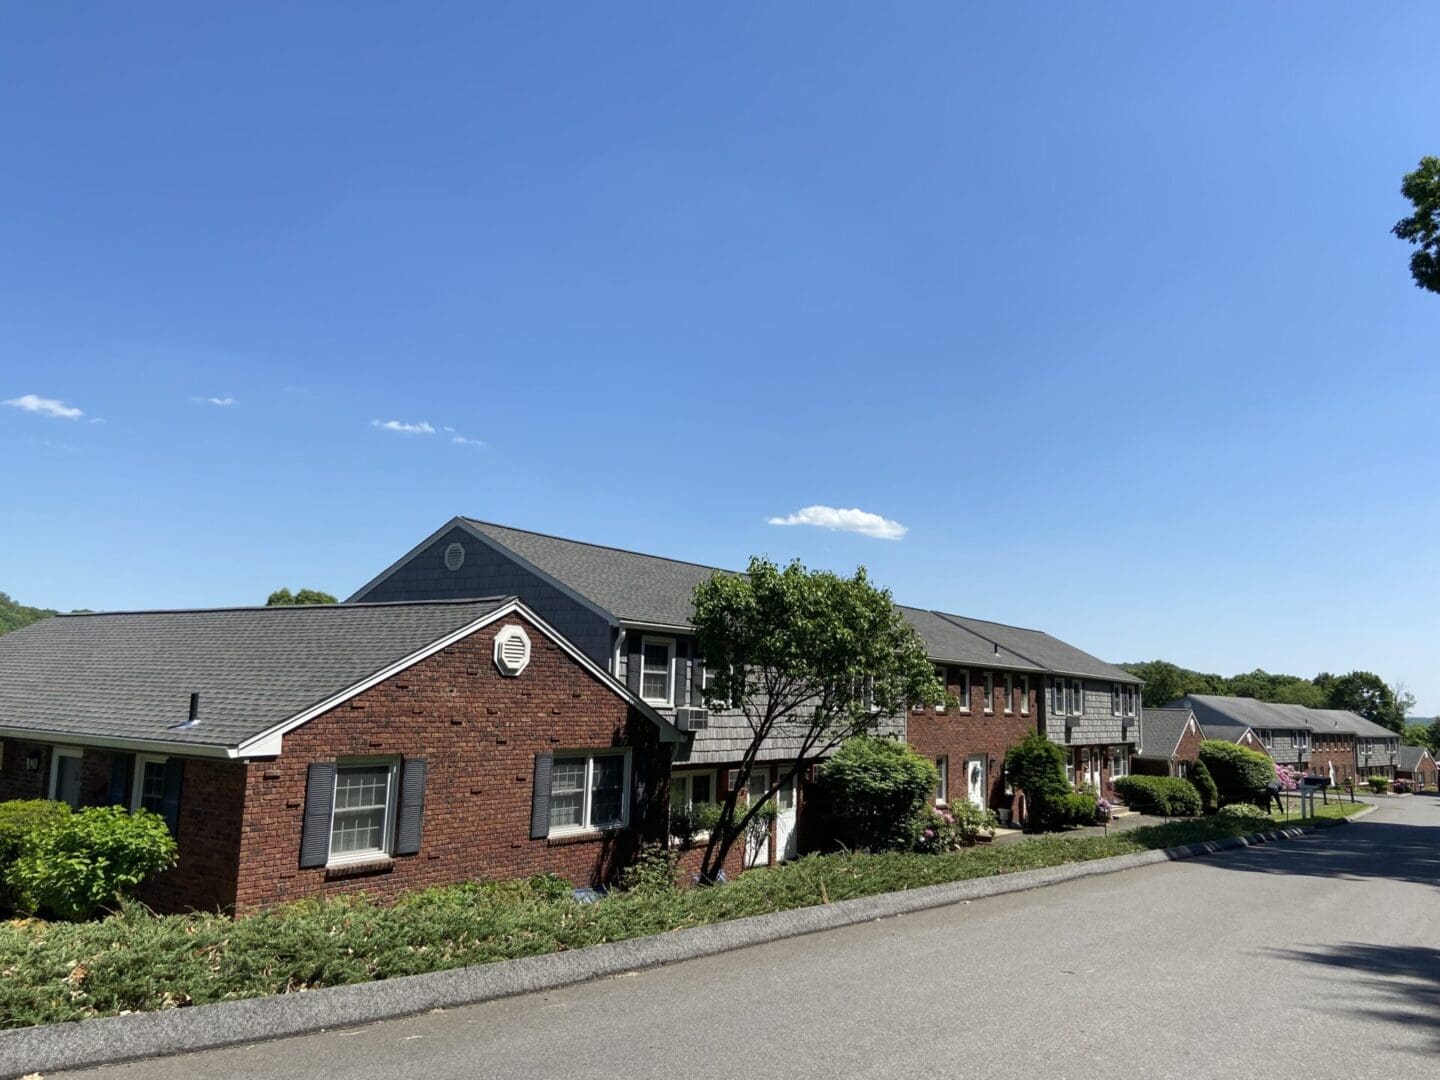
[(997, 622), (339, 605), (602, 547)]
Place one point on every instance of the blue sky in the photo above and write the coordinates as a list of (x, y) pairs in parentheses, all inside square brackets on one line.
[(1097, 302)]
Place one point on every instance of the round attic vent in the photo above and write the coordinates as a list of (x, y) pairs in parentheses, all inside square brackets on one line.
[(454, 557), (512, 650)]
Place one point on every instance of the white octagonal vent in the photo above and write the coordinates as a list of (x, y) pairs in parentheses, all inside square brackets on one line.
[(512, 650), (454, 557)]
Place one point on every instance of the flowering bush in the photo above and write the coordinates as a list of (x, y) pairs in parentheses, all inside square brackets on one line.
[(1286, 778), (938, 829), (1103, 809), (1401, 787)]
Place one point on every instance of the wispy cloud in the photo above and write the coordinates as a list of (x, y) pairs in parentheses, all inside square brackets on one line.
[(33, 403), (223, 402), (462, 440), (856, 521), (420, 428)]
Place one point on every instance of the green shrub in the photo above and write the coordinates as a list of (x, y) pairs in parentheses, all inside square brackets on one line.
[(1205, 785), (874, 787), (1168, 795), (652, 873), (1076, 808), (1245, 811), (1036, 767), (939, 829), (87, 860), (20, 820), (1379, 785), (686, 825), (1240, 775)]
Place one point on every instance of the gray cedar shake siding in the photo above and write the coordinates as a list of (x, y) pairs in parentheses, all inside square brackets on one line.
[(1286, 730), (1096, 724)]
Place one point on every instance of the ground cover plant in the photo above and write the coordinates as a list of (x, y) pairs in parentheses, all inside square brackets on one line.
[(134, 960)]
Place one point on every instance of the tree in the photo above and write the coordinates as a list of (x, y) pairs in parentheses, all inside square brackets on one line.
[(1422, 228), (1434, 742), (1365, 693), (1420, 735), (809, 656), (1165, 682), (13, 615), (285, 598), (874, 787)]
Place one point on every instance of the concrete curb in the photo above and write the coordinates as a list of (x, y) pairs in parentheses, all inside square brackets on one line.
[(114, 1039)]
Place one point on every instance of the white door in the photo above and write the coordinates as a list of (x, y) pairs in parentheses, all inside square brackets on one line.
[(1092, 767), (975, 780), (786, 838), (757, 852), (65, 778)]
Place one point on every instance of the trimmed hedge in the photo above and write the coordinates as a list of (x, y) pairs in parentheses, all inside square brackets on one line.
[(874, 787), (1205, 785), (1241, 775), (1172, 796)]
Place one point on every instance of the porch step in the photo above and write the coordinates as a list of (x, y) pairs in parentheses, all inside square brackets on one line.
[(1123, 811)]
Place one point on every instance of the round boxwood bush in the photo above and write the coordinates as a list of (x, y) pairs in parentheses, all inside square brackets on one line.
[(87, 860), (1240, 775), (1036, 767), (1171, 796), (873, 788)]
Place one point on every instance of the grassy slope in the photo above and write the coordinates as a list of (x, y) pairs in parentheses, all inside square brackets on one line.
[(137, 961)]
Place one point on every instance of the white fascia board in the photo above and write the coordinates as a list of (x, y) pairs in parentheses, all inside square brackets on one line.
[(111, 742)]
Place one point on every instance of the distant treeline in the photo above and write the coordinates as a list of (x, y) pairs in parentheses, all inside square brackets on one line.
[(1363, 692), (13, 616)]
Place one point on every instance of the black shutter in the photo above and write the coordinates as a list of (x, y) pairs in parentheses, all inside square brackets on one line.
[(122, 768), (412, 806), (633, 665), (540, 798), (319, 803), (170, 801)]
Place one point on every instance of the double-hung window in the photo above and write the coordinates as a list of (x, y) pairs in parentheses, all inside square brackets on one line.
[(943, 674), (691, 789), (989, 691), (1009, 693), (1265, 738), (1116, 695), (1024, 695), (942, 791), (1132, 700), (656, 656), (1070, 766), (964, 694), (362, 823), (1119, 762), (587, 791), (149, 785), (1077, 697)]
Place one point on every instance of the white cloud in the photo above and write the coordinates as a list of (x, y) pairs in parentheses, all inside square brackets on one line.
[(421, 428), (461, 440), (221, 401), (856, 521), (46, 407)]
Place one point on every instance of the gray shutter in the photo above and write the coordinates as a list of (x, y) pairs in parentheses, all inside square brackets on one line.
[(697, 682), (412, 806), (682, 673), (634, 664), (170, 801), (540, 798), (122, 768), (319, 804)]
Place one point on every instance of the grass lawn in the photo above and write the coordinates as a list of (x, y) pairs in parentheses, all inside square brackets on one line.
[(1335, 809), (134, 960)]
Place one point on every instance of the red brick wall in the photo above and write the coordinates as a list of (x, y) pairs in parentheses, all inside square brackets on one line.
[(959, 735), (1332, 748), (212, 799), (15, 781), (1189, 748), (480, 732)]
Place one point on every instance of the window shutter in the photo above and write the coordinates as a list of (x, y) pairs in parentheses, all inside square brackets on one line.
[(170, 801), (697, 682), (540, 797), (412, 806), (319, 804), (122, 768), (634, 664), (682, 679)]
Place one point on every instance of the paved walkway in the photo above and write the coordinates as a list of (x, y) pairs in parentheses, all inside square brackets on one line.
[(1321, 952)]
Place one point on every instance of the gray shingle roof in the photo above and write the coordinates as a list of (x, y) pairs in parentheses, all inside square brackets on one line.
[(129, 675), (1353, 723), (1224, 715), (1160, 731), (1410, 757), (649, 589)]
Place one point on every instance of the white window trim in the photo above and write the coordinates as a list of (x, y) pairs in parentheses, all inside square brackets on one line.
[(669, 643), (137, 778), (1024, 695), (1117, 700), (392, 800), (944, 673), (585, 828), (56, 753), (689, 775), (989, 700), (1132, 701), (965, 685), (1267, 738), (942, 792), (1078, 688), (1009, 694)]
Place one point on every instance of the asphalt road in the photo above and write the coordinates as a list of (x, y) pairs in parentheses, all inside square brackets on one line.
[(1318, 955)]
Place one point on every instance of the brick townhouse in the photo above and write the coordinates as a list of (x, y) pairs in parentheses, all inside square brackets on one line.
[(307, 751), (1169, 742)]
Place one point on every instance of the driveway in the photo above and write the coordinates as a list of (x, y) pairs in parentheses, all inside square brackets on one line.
[(1320, 953)]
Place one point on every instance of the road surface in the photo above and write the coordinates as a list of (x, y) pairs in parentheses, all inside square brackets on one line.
[(1314, 954)]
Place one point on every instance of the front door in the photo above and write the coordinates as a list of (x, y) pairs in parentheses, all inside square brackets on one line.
[(1091, 759), (65, 784), (757, 850), (975, 781), (786, 838)]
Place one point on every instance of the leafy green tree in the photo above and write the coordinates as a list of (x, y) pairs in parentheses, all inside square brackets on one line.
[(1366, 693), (1414, 734), (13, 616), (874, 787), (809, 656), (1422, 228), (285, 598), (1036, 767), (1164, 682)]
